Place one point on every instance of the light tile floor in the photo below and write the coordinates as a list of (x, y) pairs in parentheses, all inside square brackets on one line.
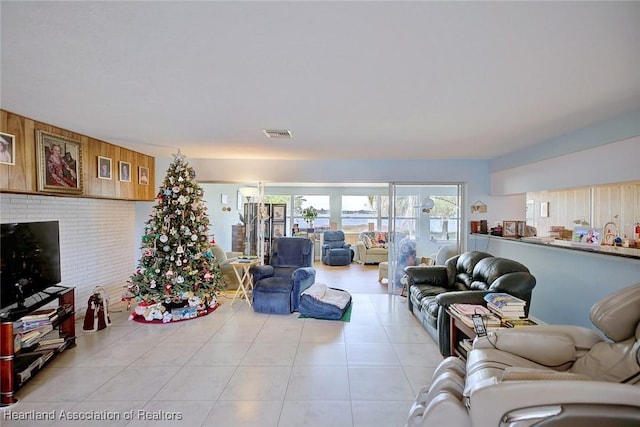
[(235, 367)]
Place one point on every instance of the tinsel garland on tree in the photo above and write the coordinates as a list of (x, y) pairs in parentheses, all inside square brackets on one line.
[(177, 262)]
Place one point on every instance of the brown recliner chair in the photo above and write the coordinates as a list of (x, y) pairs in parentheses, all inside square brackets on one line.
[(546, 375)]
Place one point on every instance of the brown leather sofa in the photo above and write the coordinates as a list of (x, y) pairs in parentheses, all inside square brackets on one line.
[(464, 278)]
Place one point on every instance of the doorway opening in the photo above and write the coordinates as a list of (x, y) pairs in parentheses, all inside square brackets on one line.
[(426, 215), (424, 218)]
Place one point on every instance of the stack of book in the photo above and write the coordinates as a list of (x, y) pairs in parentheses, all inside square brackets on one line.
[(52, 343), (465, 311), (39, 318), (466, 344), (505, 305), (29, 338), (35, 325)]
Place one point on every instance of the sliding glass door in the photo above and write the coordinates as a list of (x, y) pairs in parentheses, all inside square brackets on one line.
[(423, 218)]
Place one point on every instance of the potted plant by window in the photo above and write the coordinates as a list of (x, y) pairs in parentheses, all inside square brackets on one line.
[(310, 214)]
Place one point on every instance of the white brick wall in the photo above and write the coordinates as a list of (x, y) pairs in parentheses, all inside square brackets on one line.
[(97, 239)]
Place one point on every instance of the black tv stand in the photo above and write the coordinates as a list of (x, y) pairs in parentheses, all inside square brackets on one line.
[(19, 311), (17, 366)]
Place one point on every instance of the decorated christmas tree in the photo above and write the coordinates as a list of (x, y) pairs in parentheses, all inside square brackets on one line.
[(176, 267)]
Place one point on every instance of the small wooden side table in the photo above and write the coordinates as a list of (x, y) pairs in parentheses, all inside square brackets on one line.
[(455, 327), (245, 280)]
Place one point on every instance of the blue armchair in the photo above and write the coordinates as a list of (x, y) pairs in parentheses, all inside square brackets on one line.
[(334, 250), (277, 287)]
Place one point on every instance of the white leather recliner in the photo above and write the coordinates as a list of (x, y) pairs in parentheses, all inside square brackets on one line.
[(546, 375)]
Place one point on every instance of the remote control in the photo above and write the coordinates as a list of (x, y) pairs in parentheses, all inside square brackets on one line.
[(478, 325)]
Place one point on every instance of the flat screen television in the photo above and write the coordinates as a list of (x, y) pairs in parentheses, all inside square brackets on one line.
[(29, 260)]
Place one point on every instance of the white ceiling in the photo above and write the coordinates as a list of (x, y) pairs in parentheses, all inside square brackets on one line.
[(351, 80)]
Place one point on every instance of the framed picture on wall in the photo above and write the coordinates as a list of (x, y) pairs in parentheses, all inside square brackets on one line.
[(478, 207), (279, 229), (143, 175), (7, 149), (544, 209), (124, 171), (59, 163), (239, 201), (279, 212), (104, 167), (265, 211)]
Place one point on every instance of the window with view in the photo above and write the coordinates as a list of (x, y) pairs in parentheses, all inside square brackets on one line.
[(320, 203), (358, 212), (406, 220)]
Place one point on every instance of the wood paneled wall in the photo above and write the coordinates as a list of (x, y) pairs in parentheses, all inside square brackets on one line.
[(619, 203), (22, 177)]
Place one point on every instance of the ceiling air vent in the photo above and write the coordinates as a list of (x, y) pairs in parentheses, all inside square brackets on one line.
[(277, 133)]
